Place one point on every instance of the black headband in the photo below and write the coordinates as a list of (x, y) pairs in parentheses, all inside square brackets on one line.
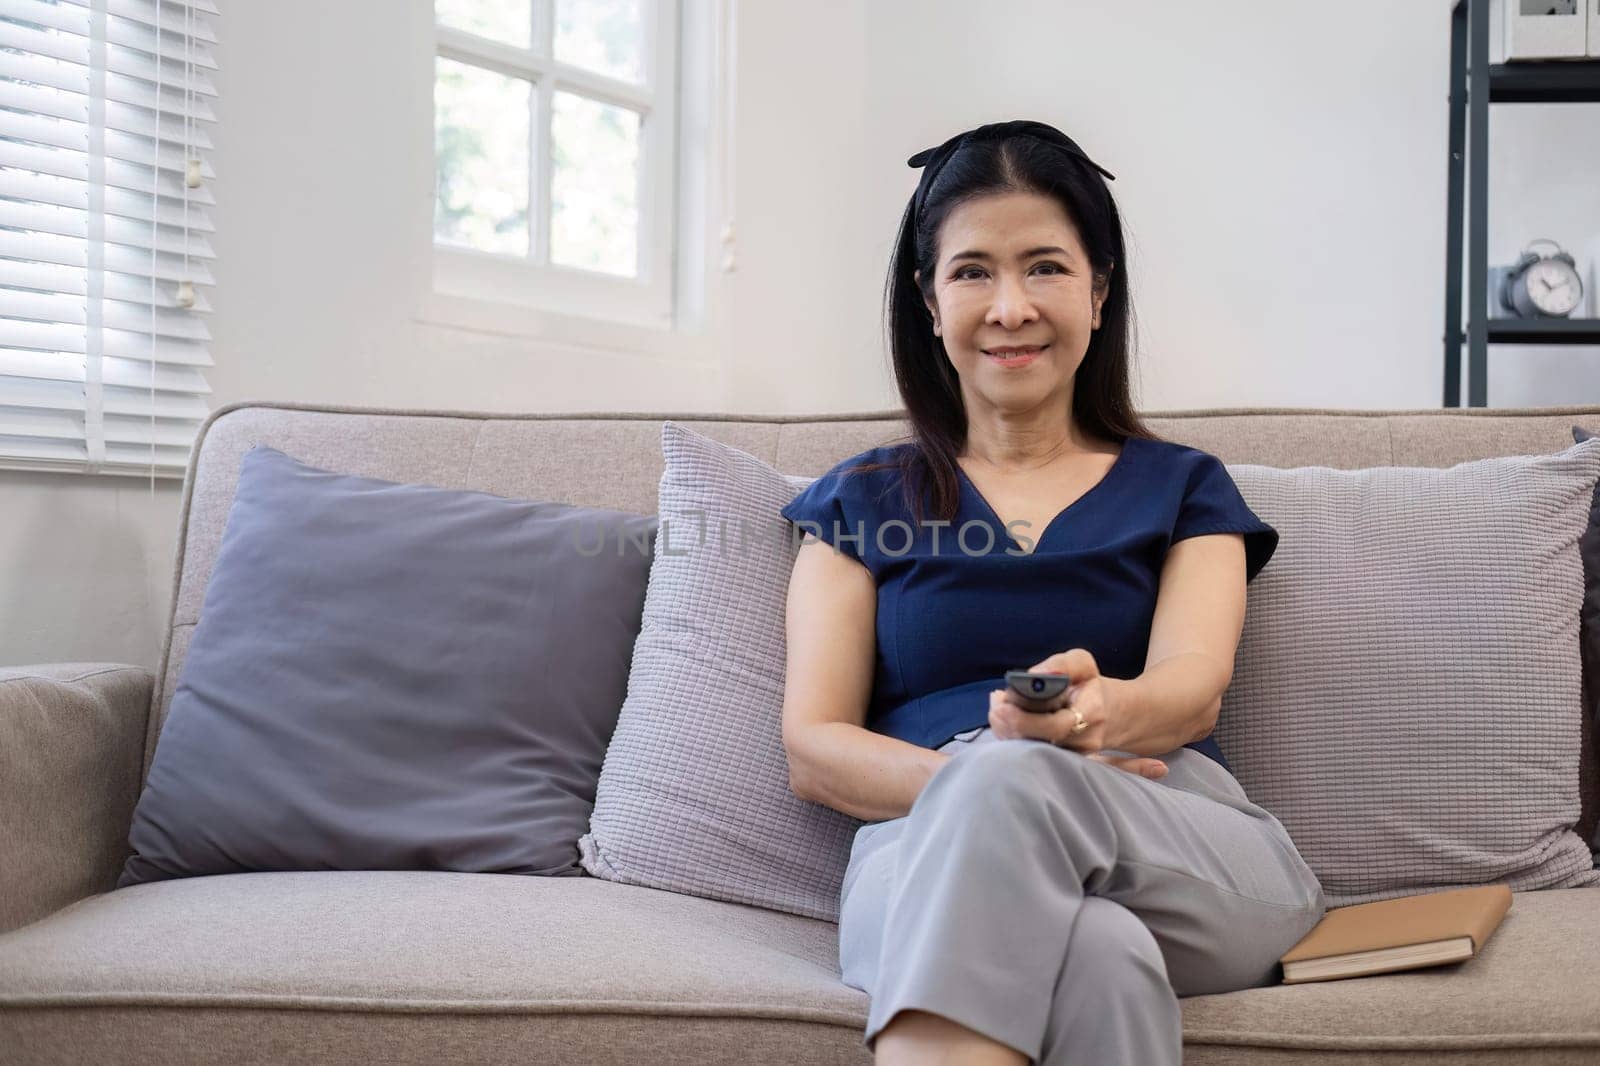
[(932, 160)]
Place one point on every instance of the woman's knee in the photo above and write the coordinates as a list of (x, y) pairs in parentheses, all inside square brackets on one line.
[(1112, 946), (1112, 1000)]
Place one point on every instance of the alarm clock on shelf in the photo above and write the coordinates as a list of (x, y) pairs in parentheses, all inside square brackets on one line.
[(1538, 285)]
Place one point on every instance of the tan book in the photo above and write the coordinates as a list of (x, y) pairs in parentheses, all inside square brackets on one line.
[(1398, 934)]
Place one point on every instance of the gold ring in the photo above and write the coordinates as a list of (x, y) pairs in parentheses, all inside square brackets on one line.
[(1082, 722)]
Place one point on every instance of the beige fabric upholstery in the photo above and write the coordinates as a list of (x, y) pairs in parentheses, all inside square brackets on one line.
[(495, 968), (71, 743), (429, 967)]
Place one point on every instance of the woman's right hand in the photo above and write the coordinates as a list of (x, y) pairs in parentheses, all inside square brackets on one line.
[(1010, 721), (1142, 765)]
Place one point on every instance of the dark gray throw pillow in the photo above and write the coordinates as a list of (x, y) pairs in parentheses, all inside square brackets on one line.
[(394, 677), (1589, 548)]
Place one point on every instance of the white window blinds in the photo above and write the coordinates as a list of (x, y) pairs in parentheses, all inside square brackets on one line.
[(104, 249)]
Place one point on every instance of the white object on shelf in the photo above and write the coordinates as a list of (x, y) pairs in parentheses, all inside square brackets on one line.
[(1526, 29), (1594, 32)]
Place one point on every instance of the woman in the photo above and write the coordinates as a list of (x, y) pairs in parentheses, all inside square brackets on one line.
[(1018, 894)]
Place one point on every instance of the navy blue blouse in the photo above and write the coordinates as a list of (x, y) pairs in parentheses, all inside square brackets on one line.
[(960, 603)]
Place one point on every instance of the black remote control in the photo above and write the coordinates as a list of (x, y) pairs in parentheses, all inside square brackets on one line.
[(1039, 693)]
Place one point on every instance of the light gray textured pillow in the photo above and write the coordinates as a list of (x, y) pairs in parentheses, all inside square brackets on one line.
[(1407, 692), (694, 793)]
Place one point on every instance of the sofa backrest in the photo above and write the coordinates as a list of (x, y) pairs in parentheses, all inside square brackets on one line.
[(614, 459)]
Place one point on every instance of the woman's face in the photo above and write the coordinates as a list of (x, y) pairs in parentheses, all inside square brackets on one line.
[(1012, 272)]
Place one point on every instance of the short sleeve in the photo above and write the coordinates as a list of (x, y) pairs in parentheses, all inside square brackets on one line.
[(827, 509), (1212, 503)]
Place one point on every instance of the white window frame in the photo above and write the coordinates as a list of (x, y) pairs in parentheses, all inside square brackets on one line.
[(684, 144)]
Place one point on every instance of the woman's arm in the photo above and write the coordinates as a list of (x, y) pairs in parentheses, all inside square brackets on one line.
[(833, 759), (1193, 638), (867, 775)]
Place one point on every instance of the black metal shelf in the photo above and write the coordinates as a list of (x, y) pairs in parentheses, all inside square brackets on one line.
[(1550, 81), (1544, 331), (1475, 83)]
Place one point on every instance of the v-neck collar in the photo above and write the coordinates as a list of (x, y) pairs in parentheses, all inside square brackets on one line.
[(1038, 542)]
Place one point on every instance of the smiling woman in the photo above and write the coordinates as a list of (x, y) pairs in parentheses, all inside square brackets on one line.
[(1012, 242), (1009, 899), (1015, 303)]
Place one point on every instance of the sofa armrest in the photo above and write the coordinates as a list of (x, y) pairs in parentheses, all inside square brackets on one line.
[(71, 760)]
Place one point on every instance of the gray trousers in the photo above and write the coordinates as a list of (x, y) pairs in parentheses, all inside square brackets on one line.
[(1061, 906)]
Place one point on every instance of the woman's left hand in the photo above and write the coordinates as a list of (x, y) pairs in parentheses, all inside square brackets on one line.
[(1090, 694)]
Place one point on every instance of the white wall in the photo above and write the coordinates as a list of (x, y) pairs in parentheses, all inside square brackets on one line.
[(85, 568), (1280, 169)]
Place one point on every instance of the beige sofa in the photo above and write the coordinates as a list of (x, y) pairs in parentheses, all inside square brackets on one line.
[(430, 967)]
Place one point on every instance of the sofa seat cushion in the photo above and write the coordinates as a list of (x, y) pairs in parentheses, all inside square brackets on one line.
[(1529, 998), (426, 938), (424, 966), (419, 967)]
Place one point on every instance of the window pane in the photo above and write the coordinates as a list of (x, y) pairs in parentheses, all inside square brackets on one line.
[(481, 159), (510, 21), (605, 36), (594, 185)]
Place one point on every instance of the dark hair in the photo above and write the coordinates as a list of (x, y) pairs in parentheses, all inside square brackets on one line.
[(929, 388)]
